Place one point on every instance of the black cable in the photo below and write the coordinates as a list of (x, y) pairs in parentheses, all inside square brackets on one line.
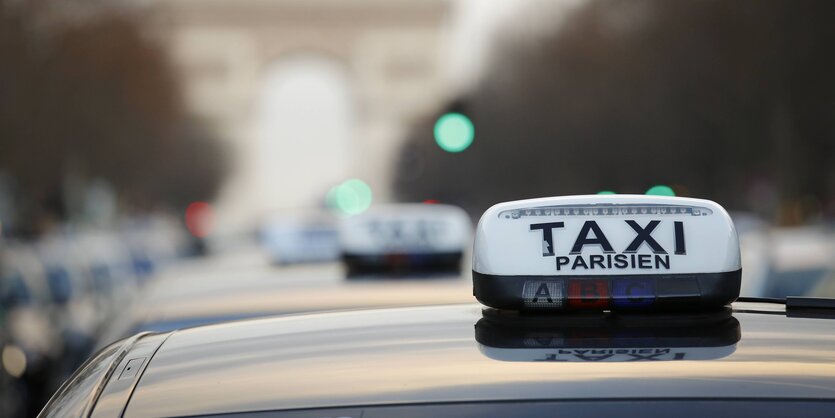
[(781, 301)]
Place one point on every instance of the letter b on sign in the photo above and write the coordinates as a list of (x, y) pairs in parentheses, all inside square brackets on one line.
[(588, 294)]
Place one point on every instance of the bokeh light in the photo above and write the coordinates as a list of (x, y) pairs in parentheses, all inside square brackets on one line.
[(14, 360), (454, 132), (661, 190), (606, 192), (351, 197), (200, 219)]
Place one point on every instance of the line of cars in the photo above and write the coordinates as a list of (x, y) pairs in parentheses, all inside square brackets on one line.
[(388, 240), (59, 292), (391, 255)]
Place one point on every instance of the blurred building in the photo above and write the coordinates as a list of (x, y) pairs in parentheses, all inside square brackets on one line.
[(308, 92)]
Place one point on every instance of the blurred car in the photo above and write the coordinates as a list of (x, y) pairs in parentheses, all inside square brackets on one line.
[(293, 240), (404, 239), (12, 366), (59, 292), (32, 334), (110, 266), (801, 260), (79, 311), (763, 360), (756, 249), (784, 261)]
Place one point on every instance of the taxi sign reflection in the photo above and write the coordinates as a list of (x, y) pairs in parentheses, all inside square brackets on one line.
[(507, 336)]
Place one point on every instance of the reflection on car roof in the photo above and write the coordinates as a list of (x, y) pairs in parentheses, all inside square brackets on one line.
[(418, 355)]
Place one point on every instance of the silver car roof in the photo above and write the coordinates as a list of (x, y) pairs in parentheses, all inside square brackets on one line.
[(430, 355)]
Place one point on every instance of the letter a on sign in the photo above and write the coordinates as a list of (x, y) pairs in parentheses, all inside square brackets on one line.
[(543, 294)]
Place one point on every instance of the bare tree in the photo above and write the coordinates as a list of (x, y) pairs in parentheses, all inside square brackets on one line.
[(93, 98), (726, 100)]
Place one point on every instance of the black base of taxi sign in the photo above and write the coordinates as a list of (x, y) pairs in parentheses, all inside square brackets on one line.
[(402, 263), (625, 292)]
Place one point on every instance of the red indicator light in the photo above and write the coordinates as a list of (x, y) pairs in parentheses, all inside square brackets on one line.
[(200, 219), (588, 294), (431, 201)]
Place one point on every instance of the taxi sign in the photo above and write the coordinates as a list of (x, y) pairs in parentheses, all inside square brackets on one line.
[(606, 252), (406, 237)]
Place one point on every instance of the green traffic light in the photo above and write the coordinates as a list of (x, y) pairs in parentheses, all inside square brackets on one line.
[(351, 197), (661, 190), (454, 132)]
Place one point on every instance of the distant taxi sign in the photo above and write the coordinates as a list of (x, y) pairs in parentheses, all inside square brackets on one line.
[(606, 252), (406, 238)]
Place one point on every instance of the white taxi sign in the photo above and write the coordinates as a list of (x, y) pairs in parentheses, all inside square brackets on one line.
[(406, 237), (406, 228), (606, 252)]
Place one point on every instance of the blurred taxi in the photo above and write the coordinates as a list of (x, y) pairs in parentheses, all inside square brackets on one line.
[(405, 238)]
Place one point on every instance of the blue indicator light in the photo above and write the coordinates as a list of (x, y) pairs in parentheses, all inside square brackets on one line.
[(633, 293)]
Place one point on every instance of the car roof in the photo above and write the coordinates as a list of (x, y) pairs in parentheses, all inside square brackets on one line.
[(430, 355), (188, 300)]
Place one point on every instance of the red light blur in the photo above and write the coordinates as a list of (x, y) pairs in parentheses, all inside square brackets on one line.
[(200, 219), (431, 201)]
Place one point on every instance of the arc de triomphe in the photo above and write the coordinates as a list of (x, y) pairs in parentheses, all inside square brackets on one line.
[(306, 92)]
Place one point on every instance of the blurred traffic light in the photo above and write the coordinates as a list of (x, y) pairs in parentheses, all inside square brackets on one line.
[(454, 132), (661, 190), (350, 197)]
